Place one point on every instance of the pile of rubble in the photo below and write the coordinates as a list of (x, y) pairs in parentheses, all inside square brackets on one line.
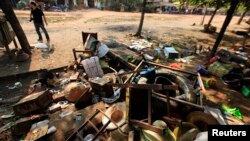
[(98, 98)]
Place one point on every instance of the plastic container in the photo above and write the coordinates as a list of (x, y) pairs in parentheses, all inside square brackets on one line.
[(245, 90), (202, 71)]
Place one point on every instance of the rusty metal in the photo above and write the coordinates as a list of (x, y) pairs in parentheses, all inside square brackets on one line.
[(147, 126), (180, 101), (155, 64)]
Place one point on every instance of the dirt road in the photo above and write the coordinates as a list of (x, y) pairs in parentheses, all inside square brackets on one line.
[(65, 31)]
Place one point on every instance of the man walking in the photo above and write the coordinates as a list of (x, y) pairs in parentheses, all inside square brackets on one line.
[(38, 17)]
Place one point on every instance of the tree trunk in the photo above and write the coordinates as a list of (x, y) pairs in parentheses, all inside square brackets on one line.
[(5, 5), (204, 16), (229, 17), (138, 33), (241, 17), (212, 17)]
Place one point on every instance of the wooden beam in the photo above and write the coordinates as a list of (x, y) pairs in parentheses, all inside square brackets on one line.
[(180, 101), (149, 107), (171, 120), (145, 86), (147, 126), (160, 65)]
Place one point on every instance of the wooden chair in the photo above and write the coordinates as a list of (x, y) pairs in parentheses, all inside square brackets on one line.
[(84, 53)]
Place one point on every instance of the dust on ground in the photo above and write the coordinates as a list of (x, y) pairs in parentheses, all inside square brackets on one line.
[(65, 33)]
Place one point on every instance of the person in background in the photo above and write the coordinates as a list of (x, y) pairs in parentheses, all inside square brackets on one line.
[(39, 19)]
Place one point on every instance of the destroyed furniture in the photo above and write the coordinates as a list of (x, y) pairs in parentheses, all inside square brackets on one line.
[(98, 130), (85, 53), (7, 35), (32, 103), (139, 99)]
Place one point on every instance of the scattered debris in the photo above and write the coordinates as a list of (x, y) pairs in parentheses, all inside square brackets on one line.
[(16, 86), (36, 133), (171, 53), (140, 44), (216, 113), (33, 102), (75, 90), (233, 111), (7, 116), (65, 113), (160, 102)]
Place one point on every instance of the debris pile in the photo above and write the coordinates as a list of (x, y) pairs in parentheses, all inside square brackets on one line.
[(98, 98)]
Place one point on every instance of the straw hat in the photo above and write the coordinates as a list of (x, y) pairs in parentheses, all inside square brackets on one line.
[(117, 115), (187, 131), (148, 135)]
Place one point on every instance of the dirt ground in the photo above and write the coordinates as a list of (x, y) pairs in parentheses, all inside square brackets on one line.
[(65, 33)]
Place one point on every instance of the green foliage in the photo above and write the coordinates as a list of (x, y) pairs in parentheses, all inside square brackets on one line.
[(217, 3), (130, 5), (210, 3), (150, 8), (115, 5), (246, 4)]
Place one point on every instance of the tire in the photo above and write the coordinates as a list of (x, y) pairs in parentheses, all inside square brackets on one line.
[(201, 119)]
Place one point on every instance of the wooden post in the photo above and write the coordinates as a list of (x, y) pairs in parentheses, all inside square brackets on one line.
[(149, 107)]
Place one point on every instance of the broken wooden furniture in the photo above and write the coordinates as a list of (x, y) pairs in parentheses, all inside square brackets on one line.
[(89, 121), (100, 87), (32, 103), (7, 35), (85, 36), (143, 101), (84, 53), (126, 56), (199, 88)]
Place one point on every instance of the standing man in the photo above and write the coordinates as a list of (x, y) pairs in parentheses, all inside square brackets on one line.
[(38, 17)]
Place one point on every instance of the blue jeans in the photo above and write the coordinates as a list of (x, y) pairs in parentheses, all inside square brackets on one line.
[(38, 26)]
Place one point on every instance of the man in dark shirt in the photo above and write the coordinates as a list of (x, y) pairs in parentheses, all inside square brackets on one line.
[(38, 17)]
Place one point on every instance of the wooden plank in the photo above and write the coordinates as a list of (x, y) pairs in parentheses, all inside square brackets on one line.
[(180, 101), (147, 126), (145, 86), (171, 120), (122, 52), (131, 135), (160, 65), (202, 88), (149, 107), (74, 77)]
